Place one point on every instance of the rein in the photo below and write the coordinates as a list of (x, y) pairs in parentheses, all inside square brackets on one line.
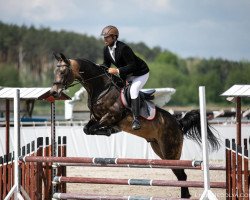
[(73, 84), (83, 81), (64, 83), (105, 73), (93, 77)]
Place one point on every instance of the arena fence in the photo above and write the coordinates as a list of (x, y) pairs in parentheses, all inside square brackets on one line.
[(237, 170), (35, 178), (36, 164), (36, 173)]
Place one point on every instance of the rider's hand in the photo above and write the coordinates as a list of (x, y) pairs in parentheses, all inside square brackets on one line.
[(114, 71)]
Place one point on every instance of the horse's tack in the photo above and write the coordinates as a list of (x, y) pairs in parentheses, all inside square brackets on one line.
[(147, 108)]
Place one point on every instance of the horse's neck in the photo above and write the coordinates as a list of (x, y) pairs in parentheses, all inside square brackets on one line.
[(94, 83), (95, 88)]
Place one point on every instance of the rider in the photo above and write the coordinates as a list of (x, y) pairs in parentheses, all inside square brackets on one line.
[(130, 67)]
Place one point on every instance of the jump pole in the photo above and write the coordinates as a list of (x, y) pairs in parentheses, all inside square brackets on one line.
[(53, 144), (207, 193), (17, 188)]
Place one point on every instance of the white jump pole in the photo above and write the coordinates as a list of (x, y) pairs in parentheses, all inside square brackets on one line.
[(207, 194), (17, 189)]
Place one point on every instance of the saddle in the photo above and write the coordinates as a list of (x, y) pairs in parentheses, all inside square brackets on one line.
[(147, 107)]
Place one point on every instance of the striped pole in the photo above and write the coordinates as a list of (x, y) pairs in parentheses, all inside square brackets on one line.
[(211, 167), (104, 161), (142, 182), (103, 197)]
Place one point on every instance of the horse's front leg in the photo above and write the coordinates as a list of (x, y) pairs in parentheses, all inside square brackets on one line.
[(86, 128), (101, 127), (105, 126), (108, 120)]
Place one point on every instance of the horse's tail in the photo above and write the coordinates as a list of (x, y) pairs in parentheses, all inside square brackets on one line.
[(191, 127)]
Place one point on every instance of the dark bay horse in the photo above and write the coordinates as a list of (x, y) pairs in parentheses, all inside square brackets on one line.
[(165, 133)]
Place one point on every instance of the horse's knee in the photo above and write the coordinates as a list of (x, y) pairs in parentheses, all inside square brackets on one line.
[(87, 129)]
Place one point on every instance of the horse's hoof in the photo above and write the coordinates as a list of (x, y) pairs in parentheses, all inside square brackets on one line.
[(102, 133), (186, 196), (86, 131)]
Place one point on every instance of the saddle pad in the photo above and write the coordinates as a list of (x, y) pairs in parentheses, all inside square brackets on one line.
[(147, 108)]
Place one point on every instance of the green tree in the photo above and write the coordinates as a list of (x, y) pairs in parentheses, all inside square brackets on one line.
[(9, 76), (26, 60)]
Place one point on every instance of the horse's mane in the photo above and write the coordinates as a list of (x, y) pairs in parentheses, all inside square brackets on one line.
[(116, 79), (84, 60)]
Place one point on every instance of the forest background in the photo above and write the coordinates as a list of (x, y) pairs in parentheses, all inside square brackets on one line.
[(26, 60)]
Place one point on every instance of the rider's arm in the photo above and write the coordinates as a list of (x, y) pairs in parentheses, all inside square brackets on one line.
[(106, 60), (129, 57)]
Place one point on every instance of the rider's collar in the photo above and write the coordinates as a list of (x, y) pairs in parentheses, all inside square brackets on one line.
[(113, 47)]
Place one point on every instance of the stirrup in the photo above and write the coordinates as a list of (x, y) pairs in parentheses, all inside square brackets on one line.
[(136, 124)]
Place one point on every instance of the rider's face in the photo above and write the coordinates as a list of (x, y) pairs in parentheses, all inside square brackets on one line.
[(109, 40)]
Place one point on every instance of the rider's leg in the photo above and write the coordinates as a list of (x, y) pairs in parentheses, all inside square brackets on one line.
[(137, 84), (135, 105)]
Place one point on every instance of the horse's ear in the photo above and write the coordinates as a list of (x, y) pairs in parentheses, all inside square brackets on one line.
[(56, 56), (64, 59)]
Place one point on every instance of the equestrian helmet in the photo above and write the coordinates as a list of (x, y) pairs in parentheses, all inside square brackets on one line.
[(110, 30)]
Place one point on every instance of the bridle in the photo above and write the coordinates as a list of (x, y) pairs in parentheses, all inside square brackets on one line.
[(65, 84)]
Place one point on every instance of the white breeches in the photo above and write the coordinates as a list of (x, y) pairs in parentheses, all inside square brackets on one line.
[(137, 84)]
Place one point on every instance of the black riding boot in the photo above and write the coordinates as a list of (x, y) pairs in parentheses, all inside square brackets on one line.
[(135, 104)]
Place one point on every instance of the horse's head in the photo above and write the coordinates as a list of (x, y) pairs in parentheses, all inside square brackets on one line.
[(86, 72), (64, 75)]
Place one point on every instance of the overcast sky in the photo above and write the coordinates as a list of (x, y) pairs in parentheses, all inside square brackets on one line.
[(203, 28)]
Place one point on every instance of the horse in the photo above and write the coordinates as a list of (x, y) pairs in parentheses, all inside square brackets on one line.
[(165, 132)]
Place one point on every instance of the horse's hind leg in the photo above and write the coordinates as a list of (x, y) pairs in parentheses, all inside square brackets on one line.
[(179, 173), (156, 148), (182, 176)]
